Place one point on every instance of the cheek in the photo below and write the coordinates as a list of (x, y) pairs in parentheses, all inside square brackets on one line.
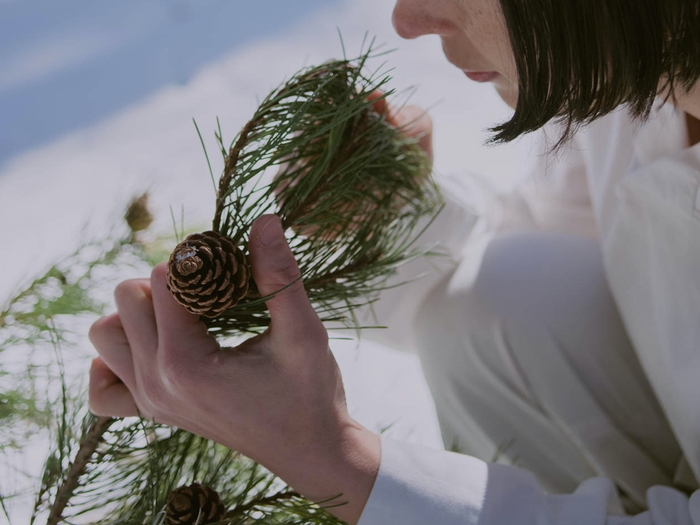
[(487, 27)]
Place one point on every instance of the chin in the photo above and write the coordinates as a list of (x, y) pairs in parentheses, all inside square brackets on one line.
[(508, 93)]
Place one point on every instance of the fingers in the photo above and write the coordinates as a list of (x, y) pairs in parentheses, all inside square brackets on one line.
[(275, 270), (135, 308), (412, 121), (109, 339), (179, 331), (415, 122), (108, 395), (380, 104)]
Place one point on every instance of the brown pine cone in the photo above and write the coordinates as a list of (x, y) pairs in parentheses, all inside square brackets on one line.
[(192, 504), (208, 274), (138, 216)]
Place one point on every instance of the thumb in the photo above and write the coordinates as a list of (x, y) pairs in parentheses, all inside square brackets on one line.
[(416, 123), (275, 271), (178, 329)]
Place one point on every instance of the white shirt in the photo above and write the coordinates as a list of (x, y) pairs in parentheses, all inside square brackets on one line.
[(637, 189)]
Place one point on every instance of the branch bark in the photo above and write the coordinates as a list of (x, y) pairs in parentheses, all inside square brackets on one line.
[(77, 468)]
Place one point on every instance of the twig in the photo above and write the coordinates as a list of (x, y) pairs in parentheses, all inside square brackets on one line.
[(229, 170), (257, 502), (87, 448)]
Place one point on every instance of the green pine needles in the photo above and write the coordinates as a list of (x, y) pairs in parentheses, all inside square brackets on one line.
[(352, 192), (349, 187), (122, 472), (102, 470)]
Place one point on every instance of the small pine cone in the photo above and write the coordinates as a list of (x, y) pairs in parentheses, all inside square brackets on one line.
[(208, 274), (138, 216), (194, 504)]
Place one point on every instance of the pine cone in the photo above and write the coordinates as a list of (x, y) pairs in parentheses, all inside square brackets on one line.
[(192, 504), (208, 274), (138, 216)]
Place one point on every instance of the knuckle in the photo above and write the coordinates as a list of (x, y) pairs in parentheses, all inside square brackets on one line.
[(181, 378), (294, 291), (96, 331), (309, 337), (317, 335), (95, 401), (125, 289), (283, 277), (286, 269), (103, 326), (97, 407), (174, 372), (153, 397), (159, 272)]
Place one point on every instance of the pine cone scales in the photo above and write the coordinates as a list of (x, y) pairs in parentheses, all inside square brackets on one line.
[(194, 504), (208, 274)]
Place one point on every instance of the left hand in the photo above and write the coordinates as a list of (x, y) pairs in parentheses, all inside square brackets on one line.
[(277, 398)]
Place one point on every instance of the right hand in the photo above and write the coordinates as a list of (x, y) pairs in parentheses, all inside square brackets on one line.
[(277, 398), (412, 121)]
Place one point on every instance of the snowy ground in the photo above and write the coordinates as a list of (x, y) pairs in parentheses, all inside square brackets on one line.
[(48, 194)]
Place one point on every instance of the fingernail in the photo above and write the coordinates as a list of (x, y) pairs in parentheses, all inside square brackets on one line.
[(271, 230)]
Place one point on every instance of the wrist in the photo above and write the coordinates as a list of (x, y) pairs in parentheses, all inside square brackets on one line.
[(338, 472)]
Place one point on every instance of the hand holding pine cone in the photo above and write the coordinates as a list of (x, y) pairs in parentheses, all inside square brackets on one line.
[(208, 274)]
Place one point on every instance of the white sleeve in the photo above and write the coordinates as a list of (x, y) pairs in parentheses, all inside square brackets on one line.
[(651, 248), (398, 304), (420, 486)]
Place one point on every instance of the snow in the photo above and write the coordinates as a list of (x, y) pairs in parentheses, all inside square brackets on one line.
[(54, 195)]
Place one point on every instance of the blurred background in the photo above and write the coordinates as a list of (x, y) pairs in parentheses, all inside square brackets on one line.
[(97, 100)]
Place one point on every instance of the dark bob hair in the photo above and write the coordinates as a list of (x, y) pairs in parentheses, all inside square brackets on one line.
[(578, 60)]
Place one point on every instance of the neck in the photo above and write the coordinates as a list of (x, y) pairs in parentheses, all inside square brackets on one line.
[(690, 103), (693, 129)]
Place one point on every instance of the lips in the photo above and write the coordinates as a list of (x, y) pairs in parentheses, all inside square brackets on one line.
[(481, 76), (460, 62)]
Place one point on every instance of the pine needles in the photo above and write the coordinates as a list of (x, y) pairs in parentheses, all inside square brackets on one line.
[(107, 471), (349, 187)]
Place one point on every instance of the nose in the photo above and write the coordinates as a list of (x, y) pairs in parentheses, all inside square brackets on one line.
[(414, 18)]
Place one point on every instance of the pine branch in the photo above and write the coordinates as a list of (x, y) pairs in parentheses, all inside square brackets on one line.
[(350, 190), (229, 171), (88, 446), (263, 501), (343, 172)]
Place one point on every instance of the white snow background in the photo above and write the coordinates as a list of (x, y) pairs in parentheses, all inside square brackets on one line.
[(48, 194)]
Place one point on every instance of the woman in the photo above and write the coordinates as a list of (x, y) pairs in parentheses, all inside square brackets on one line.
[(572, 344)]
